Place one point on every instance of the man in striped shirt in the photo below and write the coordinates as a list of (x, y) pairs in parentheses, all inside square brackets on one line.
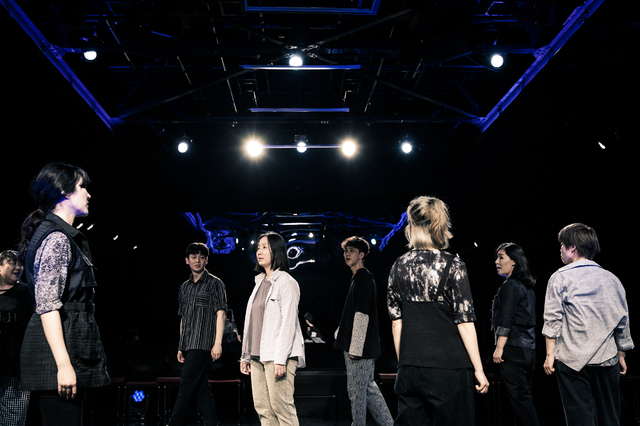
[(203, 303)]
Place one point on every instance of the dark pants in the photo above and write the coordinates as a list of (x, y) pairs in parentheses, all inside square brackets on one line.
[(194, 380), (57, 411), (517, 374), (434, 397), (590, 396)]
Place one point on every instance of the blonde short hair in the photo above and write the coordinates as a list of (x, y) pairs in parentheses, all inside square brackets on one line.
[(428, 224)]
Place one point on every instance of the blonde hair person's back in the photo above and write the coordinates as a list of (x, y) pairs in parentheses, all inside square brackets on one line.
[(428, 224)]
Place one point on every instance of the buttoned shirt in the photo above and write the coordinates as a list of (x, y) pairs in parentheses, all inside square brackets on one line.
[(586, 311), (199, 303)]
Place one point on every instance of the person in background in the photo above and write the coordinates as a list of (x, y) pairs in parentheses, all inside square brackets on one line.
[(272, 343), (586, 329), (513, 322), (202, 303), (15, 311), (359, 339), (431, 309), (313, 332), (62, 351)]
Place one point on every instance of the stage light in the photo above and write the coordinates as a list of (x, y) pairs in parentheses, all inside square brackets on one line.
[(348, 147), (302, 147), (406, 147), (138, 404), (254, 148), (295, 60), (184, 144), (183, 147), (601, 145), (89, 55), (301, 142), (497, 60), (374, 241)]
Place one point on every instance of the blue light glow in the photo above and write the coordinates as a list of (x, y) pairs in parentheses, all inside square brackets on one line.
[(138, 396)]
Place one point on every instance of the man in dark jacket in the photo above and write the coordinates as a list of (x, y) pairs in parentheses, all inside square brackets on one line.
[(358, 338)]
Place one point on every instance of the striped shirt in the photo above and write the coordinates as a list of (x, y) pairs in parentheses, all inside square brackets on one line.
[(199, 302)]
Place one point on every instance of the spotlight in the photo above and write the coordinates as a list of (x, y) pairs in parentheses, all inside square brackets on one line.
[(254, 148), (301, 143), (406, 146), (183, 145), (374, 241), (138, 404), (497, 60), (348, 147), (295, 60), (89, 55)]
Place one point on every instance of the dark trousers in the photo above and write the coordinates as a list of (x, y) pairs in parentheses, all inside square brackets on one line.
[(194, 380), (57, 411), (434, 397), (517, 374), (590, 396)]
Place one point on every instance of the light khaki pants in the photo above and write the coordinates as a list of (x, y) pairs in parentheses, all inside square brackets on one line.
[(273, 399)]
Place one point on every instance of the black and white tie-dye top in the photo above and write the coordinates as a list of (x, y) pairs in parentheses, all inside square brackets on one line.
[(415, 276)]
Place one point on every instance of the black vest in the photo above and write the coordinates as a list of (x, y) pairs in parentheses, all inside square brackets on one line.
[(429, 337), (82, 337), (80, 275)]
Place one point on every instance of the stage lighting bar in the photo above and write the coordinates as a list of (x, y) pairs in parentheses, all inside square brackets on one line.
[(299, 109), (302, 67), (298, 147)]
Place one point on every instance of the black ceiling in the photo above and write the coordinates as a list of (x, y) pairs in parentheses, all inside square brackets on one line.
[(178, 65), (170, 68)]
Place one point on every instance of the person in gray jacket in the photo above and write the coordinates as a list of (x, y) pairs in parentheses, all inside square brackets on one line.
[(586, 329), (273, 344)]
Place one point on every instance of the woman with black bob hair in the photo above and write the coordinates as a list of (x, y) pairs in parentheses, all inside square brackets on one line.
[(513, 322), (273, 345), (62, 351)]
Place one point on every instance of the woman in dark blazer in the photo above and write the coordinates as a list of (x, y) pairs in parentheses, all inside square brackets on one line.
[(513, 323)]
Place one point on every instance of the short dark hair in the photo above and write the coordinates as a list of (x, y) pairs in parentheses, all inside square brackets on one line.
[(521, 270), (197, 248), (581, 236), (8, 256), (358, 243), (278, 248)]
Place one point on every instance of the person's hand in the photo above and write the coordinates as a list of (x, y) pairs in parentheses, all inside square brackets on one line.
[(180, 357), (623, 366), (483, 383), (548, 364), (67, 384), (245, 367), (497, 355), (216, 351), (281, 370)]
